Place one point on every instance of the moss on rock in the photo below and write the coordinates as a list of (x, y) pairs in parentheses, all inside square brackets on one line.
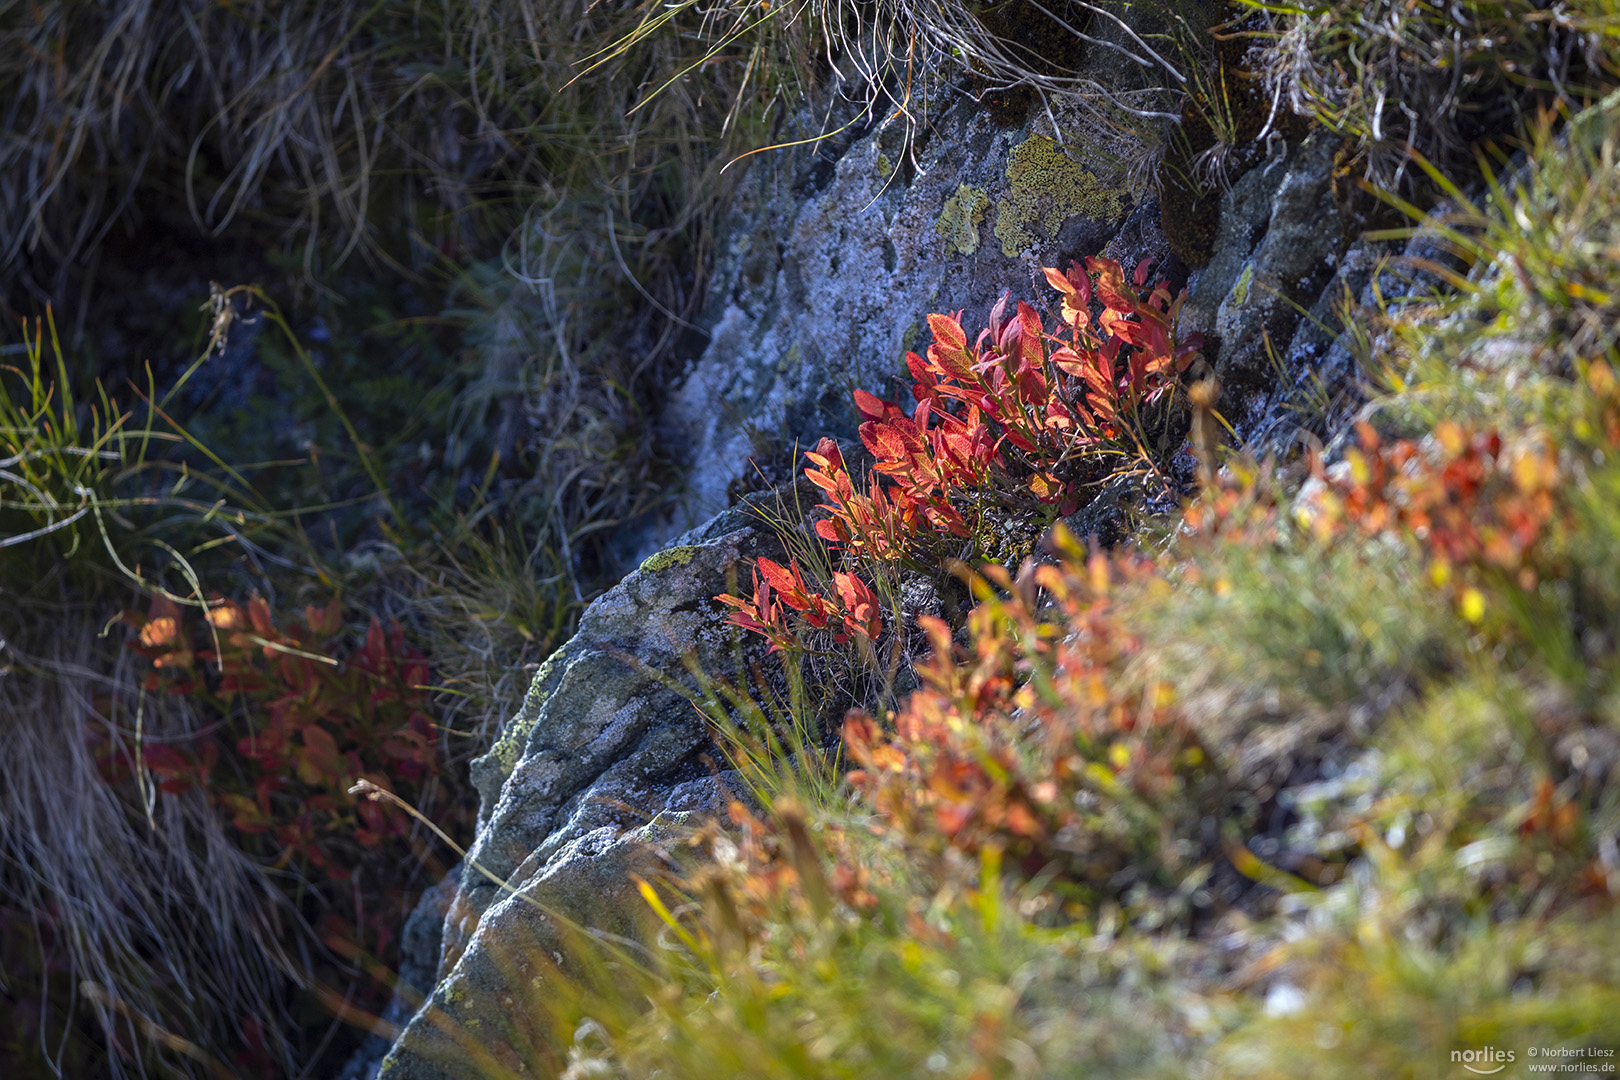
[(509, 746), (1045, 186), (663, 560)]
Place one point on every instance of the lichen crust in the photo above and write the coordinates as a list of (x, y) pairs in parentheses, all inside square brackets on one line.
[(1046, 186), (961, 217)]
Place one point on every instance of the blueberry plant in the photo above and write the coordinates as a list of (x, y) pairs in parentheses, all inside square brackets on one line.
[(297, 721), (1022, 418)]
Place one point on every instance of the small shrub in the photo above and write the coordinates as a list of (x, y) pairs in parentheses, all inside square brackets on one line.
[(1023, 421), (294, 728)]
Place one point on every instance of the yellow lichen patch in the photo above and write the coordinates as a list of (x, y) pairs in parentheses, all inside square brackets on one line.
[(1045, 186), (509, 746), (663, 560), (959, 221)]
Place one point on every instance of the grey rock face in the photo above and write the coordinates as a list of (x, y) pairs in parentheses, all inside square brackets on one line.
[(605, 762), (1279, 243), (817, 290), (823, 280)]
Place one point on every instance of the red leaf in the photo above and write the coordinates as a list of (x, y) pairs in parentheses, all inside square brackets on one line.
[(870, 405), (165, 761), (776, 575), (259, 616), (160, 632), (830, 531), (1111, 284), (376, 648), (1068, 361), (1030, 350), (320, 760), (827, 455), (948, 333), (861, 603)]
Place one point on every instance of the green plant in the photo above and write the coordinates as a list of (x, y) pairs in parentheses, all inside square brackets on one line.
[(98, 502), (227, 860)]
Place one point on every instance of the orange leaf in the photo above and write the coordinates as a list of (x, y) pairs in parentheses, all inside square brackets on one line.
[(948, 333), (161, 631)]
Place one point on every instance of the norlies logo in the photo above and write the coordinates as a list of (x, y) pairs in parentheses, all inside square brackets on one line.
[(1485, 1062)]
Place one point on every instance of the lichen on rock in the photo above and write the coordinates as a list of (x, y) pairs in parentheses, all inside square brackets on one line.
[(961, 217), (1048, 187), (671, 556), (510, 744)]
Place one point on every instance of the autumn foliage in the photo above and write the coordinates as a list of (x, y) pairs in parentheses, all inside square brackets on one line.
[(1021, 417), (1030, 740), (1021, 410), (1040, 735), (297, 723), (1473, 502)]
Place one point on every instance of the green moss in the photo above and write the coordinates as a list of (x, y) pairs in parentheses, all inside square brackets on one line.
[(663, 560), (884, 166), (961, 217), (908, 340), (1046, 187)]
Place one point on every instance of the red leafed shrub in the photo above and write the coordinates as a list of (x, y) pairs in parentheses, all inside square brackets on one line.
[(296, 724), (1030, 746), (1022, 417), (1021, 410), (1031, 741), (778, 587), (1471, 502)]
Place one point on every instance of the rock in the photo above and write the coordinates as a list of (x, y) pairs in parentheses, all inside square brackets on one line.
[(1323, 388), (1245, 215), (487, 1009), (1279, 242), (817, 290), (590, 782)]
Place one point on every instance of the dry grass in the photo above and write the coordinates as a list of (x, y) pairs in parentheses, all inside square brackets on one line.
[(171, 934), (387, 129), (1444, 79), (393, 129), (164, 930)]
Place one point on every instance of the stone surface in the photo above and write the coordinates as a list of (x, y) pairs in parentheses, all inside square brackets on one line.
[(823, 280), (1278, 245), (606, 761)]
